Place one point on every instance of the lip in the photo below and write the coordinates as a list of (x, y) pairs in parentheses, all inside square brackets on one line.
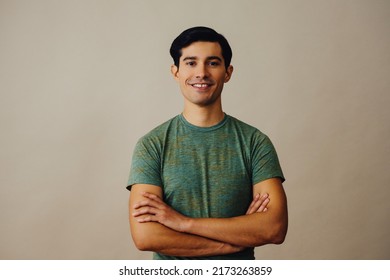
[(201, 86)]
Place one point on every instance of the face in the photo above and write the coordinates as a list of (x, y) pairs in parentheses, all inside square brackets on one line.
[(202, 73)]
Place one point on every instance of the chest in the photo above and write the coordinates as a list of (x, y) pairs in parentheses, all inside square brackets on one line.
[(207, 176)]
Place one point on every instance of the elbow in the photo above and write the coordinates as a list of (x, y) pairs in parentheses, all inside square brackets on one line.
[(278, 231), (278, 234), (143, 240), (143, 243), (278, 239), (275, 235)]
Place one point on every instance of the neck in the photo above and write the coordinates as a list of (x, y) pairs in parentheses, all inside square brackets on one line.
[(203, 116)]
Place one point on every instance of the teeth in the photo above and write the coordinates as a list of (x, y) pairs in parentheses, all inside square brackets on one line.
[(200, 85)]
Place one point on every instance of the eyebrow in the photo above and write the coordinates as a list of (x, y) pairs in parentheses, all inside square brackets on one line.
[(208, 58)]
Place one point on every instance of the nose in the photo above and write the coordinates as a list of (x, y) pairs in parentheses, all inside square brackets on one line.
[(201, 71)]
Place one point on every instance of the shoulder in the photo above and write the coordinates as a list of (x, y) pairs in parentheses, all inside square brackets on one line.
[(159, 132), (246, 129), (152, 144)]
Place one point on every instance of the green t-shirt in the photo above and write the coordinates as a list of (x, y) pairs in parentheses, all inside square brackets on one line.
[(205, 172)]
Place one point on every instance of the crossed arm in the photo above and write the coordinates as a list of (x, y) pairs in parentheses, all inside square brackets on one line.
[(157, 227)]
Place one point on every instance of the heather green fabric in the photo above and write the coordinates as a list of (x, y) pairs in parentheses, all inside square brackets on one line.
[(205, 172)]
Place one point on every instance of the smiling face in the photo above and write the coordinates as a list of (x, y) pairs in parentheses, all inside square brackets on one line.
[(202, 73)]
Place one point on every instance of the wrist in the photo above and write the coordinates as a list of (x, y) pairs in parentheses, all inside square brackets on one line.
[(187, 225), (230, 249)]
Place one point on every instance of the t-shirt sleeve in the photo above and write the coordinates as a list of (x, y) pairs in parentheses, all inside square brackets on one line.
[(265, 162), (145, 164)]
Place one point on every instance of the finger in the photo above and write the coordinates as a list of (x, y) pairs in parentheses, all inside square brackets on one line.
[(251, 206), (147, 202), (152, 196), (263, 202), (146, 219), (258, 203), (145, 210), (263, 205)]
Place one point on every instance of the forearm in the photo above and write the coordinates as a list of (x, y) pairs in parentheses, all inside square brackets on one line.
[(158, 238), (170, 232), (252, 230), (248, 231)]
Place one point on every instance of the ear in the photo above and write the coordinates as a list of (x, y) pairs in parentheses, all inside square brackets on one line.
[(174, 71), (229, 72)]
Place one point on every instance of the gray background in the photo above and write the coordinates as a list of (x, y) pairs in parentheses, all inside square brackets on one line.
[(81, 81)]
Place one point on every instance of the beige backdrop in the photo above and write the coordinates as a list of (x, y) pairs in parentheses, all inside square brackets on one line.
[(81, 81)]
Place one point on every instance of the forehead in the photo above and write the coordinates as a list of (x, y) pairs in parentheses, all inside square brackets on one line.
[(202, 50)]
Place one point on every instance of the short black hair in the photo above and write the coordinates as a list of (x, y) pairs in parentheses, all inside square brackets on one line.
[(200, 34)]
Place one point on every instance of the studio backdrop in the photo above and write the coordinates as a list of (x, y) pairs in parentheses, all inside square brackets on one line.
[(82, 81)]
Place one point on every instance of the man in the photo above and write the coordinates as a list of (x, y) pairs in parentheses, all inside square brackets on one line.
[(204, 184)]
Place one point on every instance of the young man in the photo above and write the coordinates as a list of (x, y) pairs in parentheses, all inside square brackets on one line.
[(204, 184)]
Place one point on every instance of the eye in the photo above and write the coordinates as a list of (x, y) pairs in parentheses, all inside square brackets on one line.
[(190, 63), (214, 63)]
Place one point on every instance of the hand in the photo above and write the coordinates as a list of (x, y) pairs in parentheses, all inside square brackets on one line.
[(153, 209), (259, 204)]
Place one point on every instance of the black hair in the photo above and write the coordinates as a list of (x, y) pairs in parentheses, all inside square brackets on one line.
[(200, 34)]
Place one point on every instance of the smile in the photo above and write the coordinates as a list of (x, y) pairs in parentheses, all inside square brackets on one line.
[(201, 85)]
